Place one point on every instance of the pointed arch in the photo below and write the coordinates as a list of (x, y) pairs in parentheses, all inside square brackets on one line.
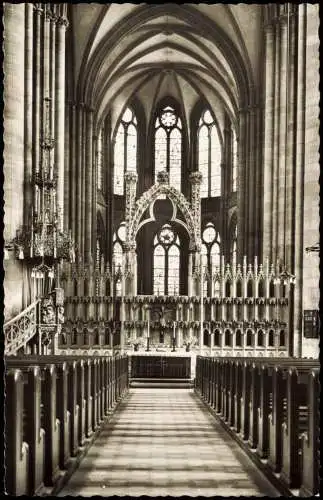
[(177, 198)]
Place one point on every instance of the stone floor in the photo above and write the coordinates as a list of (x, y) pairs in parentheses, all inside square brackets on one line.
[(165, 442)]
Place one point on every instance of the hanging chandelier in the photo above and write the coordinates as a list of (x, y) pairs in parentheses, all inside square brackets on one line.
[(43, 239)]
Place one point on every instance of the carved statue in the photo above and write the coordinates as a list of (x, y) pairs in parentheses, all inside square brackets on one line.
[(48, 316)]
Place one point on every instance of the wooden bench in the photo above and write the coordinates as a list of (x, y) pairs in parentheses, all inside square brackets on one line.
[(311, 439), (17, 450), (55, 403), (267, 403)]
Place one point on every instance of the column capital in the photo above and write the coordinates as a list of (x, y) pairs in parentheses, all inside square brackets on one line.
[(38, 8), (48, 15), (62, 21)]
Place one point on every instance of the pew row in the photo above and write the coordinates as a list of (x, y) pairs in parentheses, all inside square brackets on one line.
[(270, 407), (56, 407)]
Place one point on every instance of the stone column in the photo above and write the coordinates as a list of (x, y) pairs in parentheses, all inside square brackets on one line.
[(52, 79), (268, 142), (88, 185), (252, 189), (46, 50), (78, 178), (28, 159), (281, 194), (38, 12), (299, 179), (94, 193), (72, 171), (60, 113), (276, 143), (247, 177), (241, 189), (291, 120), (201, 305), (122, 306)]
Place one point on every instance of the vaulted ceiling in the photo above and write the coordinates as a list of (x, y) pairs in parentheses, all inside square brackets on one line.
[(189, 51)]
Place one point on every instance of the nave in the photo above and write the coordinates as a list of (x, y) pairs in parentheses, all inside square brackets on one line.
[(165, 442)]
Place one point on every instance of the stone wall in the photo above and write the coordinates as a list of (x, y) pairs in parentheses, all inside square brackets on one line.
[(14, 54)]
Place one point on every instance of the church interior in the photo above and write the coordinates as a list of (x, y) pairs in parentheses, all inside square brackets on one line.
[(161, 245)]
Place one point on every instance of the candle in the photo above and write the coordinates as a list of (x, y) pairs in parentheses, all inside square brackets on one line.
[(148, 330), (174, 329)]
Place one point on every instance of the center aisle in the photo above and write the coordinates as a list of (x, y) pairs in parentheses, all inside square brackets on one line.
[(165, 442)]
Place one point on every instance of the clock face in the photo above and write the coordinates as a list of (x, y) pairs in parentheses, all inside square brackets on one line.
[(166, 236), (209, 234), (168, 118)]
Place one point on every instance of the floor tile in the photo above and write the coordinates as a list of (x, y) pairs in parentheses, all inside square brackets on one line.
[(165, 442)]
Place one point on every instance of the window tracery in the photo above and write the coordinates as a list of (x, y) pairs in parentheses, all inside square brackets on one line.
[(234, 237), (234, 161), (168, 145), (118, 240), (166, 262), (211, 251), (100, 174), (209, 156), (125, 150)]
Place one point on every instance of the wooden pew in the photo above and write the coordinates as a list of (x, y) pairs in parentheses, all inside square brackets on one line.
[(212, 382), (237, 396), (81, 401), (231, 393), (295, 424), (311, 439), (73, 406), (269, 403), (254, 406), (48, 414), (263, 411), (63, 401), (33, 432), (51, 425), (47, 395), (17, 450), (245, 400)]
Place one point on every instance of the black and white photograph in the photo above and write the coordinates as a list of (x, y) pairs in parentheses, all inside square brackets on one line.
[(161, 256)]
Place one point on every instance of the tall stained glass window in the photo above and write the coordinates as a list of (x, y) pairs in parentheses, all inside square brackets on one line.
[(211, 251), (168, 145), (125, 150), (234, 237), (118, 240), (234, 161), (100, 175), (209, 156), (166, 262)]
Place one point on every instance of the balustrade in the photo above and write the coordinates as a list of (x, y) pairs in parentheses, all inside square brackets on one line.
[(272, 408), (21, 329), (54, 407)]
